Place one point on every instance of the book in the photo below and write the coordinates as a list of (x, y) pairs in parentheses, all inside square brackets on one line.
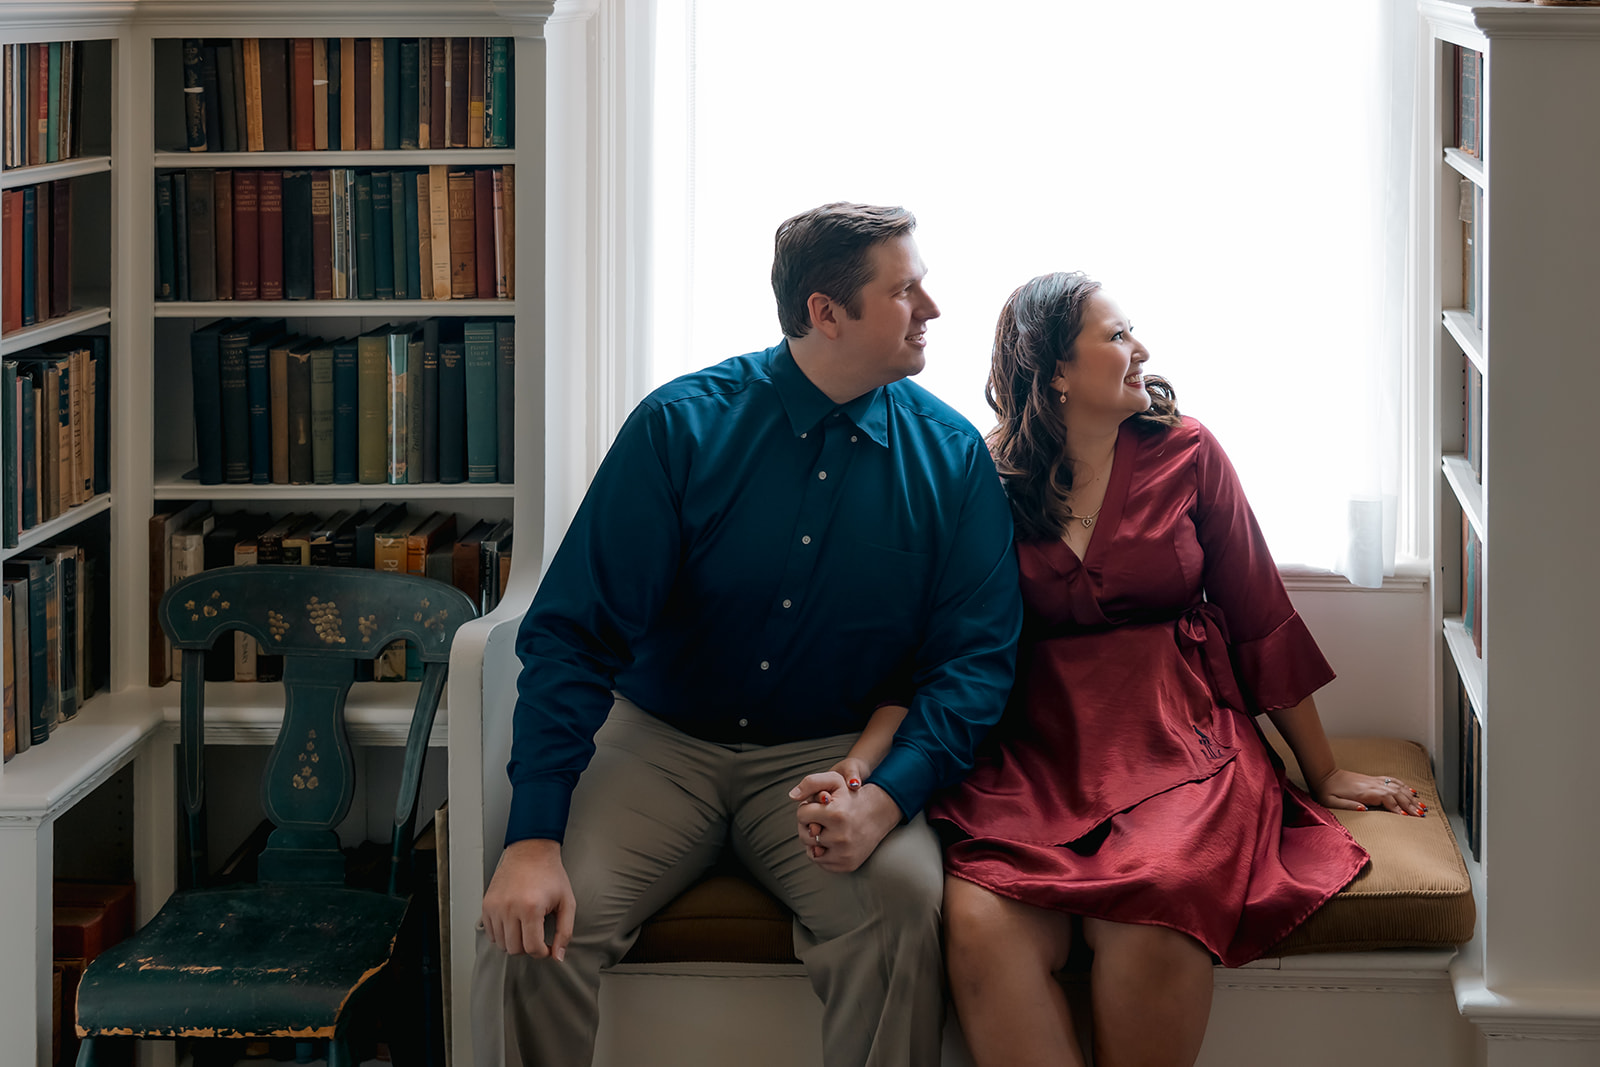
[(380, 91), (258, 392), (255, 127), (339, 232), (28, 697), (100, 372), (61, 248), (8, 716), (429, 411), (44, 681), (483, 230), (275, 100), (372, 406), (422, 224), (456, 59), (160, 529), (366, 253), (227, 106), (497, 100), (211, 95), (401, 248), (297, 225), (424, 94), (505, 395), (497, 227), (218, 551), (414, 404), (1469, 128), (247, 235), (278, 410), (389, 555), (437, 95), (194, 109), (234, 382), (241, 106), (476, 66), (345, 391), (270, 209), (186, 557), (408, 78), (411, 243), (481, 374), (321, 369), (298, 411), (383, 236), (322, 234), (463, 248), (398, 406), (222, 197), (465, 569), (452, 407), (166, 229), (10, 455), (439, 229), (325, 534), (360, 87), (205, 375), (346, 140), (333, 109), (495, 546), (303, 95)]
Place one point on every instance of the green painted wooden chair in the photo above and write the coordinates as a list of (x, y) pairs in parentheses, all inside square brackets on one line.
[(288, 955)]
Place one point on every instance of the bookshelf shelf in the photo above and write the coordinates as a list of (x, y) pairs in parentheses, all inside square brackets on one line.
[(375, 309), (49, 172), (178, 489), (53, 528), (1467, 335), (407, 157), (49, 330), (81, 754), (1469, 666), (1468, 491), (1468, 166)]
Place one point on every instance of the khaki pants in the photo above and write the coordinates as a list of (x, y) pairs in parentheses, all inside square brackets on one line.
[(649, 816)]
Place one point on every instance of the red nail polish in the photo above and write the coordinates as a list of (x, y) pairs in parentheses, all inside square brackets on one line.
[(855, 783), (826, 799)]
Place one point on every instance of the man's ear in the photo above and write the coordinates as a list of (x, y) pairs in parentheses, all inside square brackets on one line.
[(825, 315)]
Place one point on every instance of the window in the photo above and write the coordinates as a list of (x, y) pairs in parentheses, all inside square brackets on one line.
[(1236, 175)]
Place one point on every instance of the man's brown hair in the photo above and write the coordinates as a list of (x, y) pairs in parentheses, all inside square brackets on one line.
[(825, 250)]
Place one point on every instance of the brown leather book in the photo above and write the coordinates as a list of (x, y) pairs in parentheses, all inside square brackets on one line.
[(463, 236), (319, 92), (304, 92), (483, 229), (271, 234), (509, 228), (275, 94), (417, 186), (362, 73), (222, 197), (321, 235), (347, 94), (476, 66), (247, 235), (11, 303), (439, 223), (254, 135), (456, 119)]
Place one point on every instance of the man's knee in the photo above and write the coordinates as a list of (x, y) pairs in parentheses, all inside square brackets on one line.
[(906, 880)]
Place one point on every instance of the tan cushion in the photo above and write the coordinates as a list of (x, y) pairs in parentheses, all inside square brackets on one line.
[(1414, 893)]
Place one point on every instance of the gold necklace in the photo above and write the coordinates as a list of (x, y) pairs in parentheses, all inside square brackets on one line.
[(1087, 520)]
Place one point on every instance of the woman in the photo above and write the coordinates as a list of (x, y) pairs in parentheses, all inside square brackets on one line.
[(1128, 796)]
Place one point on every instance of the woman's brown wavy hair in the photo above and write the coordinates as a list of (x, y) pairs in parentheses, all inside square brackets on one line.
[(1037, 329)]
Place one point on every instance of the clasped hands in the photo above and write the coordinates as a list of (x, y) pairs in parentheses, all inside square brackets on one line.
[(840, 819)]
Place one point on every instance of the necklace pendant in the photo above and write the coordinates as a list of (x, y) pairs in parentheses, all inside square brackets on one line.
[(1088, 521)]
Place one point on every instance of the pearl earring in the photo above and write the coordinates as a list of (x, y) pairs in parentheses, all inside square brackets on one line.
[(1063, 399)]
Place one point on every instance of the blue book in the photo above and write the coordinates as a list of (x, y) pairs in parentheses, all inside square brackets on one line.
[(364, 285), (505, 397), (483, 438), (233, 375), (382, 236), (452, 411), (411, 246), (430, 400), (166, 261), (180, 232), (397, 218), (205, 373), (258, 393), (345, 393), (30, 262), (37, 643)]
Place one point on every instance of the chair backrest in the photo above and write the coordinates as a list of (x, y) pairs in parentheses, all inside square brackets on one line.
[(321, 620)]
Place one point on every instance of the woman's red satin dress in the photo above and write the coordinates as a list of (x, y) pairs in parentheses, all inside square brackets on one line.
[(1128, 780)]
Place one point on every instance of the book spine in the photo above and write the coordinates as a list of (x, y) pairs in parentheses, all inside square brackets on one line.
[(452, 412), (61, 251), (241, 97), (476, 66), (194, 104), (424, 93), (322, 415), (345, 392), (497, 102), (255, 134), (391, 93), (247, 235), (100, 362), (366, 251), (278, 412), (298, 386), (28, 449), (430, 401), (271, 234), (43, 670), (463, 255), (483, 230), (42, 243), (202, 239), (30, 276), (233, 375), (205, 375), (409, 118), (322, 235), (258, 392), (456, 90), (180, 237), (222, 196), (372, 400), (275, 94), (398, 406), (481, 373), (347, 94), (361, 77), (297, 224), (424, 231), (166, 261), (227, 107), (437, 93), (505, 398), (382, 236), (331, 109), (439, 225), (10, 461), (397, 235), (412, 243), (304, 96), (211, 94), (413, 397)]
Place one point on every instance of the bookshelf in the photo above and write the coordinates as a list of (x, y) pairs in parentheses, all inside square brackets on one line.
[(1508, 470), (134, 129)]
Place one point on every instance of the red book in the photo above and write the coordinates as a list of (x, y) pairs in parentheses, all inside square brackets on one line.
[(363, 74), (457, 91), (247, 235), (321, 235), (304, 92), (483, 223), (436, 93), (11, 228), (222, 200), (61, 250), (271, 210), (476, 65), (39, 55)]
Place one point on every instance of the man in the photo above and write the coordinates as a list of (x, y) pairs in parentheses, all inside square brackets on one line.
[(772, 547)]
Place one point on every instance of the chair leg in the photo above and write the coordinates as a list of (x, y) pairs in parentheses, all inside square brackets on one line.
[(87, 1050), (305, 1051), (339, 1053)]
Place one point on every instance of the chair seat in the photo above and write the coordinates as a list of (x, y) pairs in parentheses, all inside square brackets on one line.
[(222, 963)]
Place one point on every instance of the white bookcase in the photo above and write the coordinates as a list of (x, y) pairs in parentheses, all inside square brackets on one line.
[(1530, 980), (128, 733)]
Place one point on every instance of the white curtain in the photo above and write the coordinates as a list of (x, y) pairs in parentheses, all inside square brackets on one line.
[(1238, 176)]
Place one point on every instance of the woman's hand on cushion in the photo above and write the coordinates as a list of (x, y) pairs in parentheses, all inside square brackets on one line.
[(1352, 791)]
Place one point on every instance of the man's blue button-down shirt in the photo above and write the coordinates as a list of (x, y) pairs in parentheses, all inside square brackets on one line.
[(754, 563)]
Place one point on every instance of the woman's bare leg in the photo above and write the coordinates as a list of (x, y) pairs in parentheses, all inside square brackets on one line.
[(1002, 956), (1151, 990)]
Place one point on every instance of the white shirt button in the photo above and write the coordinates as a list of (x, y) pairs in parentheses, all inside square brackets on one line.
[(765, 665), (744, 722), (852, 438), (806, 540), (822, 476), (786, 603), (802, 437)]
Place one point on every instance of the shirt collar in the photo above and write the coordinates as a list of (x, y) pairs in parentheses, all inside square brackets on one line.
[(806, 405)]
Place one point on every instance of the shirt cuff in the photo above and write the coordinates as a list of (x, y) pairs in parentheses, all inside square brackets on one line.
[(538, 809), (907, 776)]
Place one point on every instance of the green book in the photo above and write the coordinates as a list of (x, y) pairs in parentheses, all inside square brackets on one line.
[(397, 229), (372, 405), (409, 89), (398, 453), (322, 414), (364, 261), (382, 236), (391, 93), (497, 101), (482, 431)]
